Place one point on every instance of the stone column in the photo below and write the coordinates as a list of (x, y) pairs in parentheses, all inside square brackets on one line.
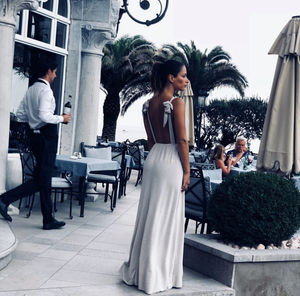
[(93, 41), (8, 12)]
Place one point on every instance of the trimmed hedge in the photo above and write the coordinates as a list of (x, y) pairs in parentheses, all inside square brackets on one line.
[(255, 208)]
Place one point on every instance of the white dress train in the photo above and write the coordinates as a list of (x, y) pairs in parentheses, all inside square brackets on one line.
[(156, 253)]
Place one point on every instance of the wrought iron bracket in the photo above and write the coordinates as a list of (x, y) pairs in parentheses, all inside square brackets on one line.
[(145, 5)]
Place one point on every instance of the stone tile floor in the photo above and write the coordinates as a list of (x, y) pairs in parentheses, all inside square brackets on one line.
[(84, 257)]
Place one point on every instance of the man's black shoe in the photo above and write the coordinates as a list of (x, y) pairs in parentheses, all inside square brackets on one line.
[(54, 225), (3, 211)]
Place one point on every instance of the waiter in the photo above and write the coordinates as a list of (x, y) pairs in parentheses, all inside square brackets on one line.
[(37, 108)]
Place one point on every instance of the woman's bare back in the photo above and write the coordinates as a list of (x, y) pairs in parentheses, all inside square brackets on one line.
[(156, 116)]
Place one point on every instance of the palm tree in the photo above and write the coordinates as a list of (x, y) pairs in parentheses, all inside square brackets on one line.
[(126, 61), (140, 84), (206, 70)]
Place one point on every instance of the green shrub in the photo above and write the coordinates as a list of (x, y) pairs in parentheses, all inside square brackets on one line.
[(255, 208)]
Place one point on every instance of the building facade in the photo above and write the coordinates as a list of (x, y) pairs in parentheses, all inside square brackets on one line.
[(75, 31)]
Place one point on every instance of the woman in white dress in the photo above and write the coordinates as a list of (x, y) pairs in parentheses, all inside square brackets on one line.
[(156, 253)]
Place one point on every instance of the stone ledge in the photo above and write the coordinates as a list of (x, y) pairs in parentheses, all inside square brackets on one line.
[(8, 243), (211, 245), (248, 272)]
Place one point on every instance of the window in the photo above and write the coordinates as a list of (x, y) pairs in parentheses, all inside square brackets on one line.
[(61, 32), (25, 57), (39, 27), (19, 22), (63, 8), (48, 5), (48, 25)]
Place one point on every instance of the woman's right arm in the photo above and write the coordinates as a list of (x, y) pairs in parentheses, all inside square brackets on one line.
[(220, 164), (181, 140)]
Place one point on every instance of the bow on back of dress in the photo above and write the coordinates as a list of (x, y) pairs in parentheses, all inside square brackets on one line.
[(168, 107)]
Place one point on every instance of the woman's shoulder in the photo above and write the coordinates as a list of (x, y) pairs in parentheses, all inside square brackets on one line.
[(176, 103), (219, 162), (177, 100)]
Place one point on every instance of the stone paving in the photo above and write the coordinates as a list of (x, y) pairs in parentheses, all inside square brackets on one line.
[(84, 257)]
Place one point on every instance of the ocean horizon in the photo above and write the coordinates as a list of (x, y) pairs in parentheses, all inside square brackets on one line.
[(133, 133)]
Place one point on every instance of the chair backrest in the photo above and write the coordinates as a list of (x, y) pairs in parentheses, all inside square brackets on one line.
[(119, 155), (19, 135), (202, 155), (137, 153), (100, 151), (28, 163), (205, 165), (101, 139), (197, 195), (114, 144)]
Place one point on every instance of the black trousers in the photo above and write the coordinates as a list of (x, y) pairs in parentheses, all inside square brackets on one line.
[(44, 148)]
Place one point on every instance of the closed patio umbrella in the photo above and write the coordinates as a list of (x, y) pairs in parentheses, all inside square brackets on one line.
[(187, 96), (280, 143)]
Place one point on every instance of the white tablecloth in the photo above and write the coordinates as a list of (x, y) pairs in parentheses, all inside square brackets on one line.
[(297, 181), (237, 171), (213, 174), (83, 166)]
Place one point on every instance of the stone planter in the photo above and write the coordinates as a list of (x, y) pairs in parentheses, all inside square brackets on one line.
[(13, 171), (248, 272)]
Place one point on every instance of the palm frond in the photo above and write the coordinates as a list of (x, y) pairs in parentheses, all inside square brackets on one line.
[(133, 93)]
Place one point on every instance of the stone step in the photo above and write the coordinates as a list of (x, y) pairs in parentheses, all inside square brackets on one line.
[(8, 243), (194, 284), (197, 284)]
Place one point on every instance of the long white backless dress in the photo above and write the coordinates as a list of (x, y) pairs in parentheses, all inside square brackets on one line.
[(156, 253)]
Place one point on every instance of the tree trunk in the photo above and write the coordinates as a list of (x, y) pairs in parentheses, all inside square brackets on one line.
[(111, 110)]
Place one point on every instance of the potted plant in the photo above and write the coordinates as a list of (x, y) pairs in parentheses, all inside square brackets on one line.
[(247, 210), (255, 208)]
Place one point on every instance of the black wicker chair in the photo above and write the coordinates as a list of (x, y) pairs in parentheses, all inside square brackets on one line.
[(136, 151), (116, 178), (196, 200), (61, 185)]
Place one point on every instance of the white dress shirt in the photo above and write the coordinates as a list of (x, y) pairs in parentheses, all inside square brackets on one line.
[(38, 106)]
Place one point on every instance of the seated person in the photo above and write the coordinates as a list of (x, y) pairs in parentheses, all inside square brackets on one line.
[(219, 156), (240, 154)]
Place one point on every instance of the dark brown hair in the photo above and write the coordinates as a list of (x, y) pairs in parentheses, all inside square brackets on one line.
[(160, 72)]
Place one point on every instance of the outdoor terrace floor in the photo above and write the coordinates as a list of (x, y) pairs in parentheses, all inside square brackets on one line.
[(84, 257)]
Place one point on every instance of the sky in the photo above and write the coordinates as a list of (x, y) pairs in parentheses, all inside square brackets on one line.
[(245, 29)]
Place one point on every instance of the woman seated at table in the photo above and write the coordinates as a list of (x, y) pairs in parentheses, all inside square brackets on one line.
[(219, 157)]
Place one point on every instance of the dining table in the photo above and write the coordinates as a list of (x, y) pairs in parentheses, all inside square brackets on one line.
[(215, 177), (81, 167), (192, 158), (238, 171)]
